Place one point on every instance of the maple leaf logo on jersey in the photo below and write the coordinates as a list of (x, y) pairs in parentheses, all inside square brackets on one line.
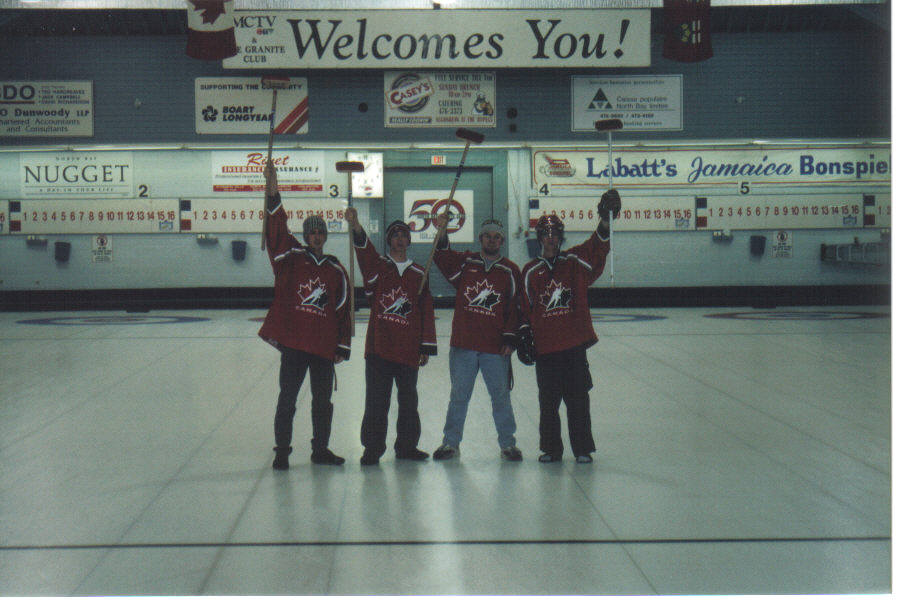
[(556, 296), (396, 303), (314, 293), (482, 294)]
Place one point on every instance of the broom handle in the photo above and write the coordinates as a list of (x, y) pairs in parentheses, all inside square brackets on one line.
[(351, 269), (270, 149), (441, 231), (610, 184)]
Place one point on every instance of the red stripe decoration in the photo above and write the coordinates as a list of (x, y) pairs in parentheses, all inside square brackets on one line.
[(868, 210), (15, 216), (700, 212), (294, 121)]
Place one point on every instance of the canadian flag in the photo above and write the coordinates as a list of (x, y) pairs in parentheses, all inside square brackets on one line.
[(210, 24)]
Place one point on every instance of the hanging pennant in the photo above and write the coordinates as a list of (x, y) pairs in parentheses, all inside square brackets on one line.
[(210, 24), (686, 26)]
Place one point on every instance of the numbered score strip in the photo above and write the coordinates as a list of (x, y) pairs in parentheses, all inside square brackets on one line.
[(215, 215), (79, 216), (638, 213), (723, 212), (793, 211)]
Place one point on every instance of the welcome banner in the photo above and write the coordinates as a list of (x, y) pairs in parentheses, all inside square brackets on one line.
[(415, 39)]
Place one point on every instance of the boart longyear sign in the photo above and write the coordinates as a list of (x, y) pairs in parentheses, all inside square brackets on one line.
[(240, 105), (415, 39)]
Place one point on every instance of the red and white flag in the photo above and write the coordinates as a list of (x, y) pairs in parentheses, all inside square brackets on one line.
[(210, 24), (686, 25)]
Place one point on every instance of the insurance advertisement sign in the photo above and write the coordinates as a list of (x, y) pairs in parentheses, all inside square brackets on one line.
[(243, 171)]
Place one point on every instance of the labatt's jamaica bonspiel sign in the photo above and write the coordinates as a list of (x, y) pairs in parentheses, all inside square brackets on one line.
[(416, 39)]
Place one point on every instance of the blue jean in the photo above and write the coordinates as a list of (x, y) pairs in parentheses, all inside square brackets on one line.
[(463, 366)]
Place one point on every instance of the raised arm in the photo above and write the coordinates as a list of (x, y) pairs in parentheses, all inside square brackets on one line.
[(448, 261), (277, 236)]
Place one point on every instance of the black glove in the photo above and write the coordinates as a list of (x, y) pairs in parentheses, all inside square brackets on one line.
[(526, 351), (610, 203)]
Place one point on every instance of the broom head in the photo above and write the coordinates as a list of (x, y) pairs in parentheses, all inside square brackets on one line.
[(470, 135), (275, 82), (606, 125), (349, 166)]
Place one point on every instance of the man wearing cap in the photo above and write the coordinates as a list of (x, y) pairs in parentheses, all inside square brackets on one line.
[(308, 322), (401, 336), (484, 324), (555, 304)]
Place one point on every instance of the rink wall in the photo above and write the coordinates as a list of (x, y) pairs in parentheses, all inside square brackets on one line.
[(761, 94)]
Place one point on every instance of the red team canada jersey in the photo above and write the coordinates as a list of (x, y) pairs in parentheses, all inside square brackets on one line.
[(487, 300), (555, 298), (310, 311), (402, 326)]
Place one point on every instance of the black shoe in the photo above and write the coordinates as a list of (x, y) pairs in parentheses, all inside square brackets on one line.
[(512, 454), (369, 459), (281, 455), (445, 452), (326, 456), (545, 458), (412, 454)]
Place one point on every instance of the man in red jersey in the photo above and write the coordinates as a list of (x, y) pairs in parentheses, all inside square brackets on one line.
[(556, 307), (308, 322), (401, 337), (484, 324)]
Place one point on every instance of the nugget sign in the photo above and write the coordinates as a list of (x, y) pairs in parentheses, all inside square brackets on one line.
[(239, 105)]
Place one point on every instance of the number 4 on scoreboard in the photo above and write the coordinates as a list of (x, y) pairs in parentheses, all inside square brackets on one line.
[(544, 190)]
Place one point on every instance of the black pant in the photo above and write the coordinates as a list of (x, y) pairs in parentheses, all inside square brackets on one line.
[(379, 375), (564, 375), (293, 366)]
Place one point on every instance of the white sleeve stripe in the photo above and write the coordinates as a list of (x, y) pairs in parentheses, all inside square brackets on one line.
[(511, 274), (287, 252), (345, 289), (526, 285), (583, 262)]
